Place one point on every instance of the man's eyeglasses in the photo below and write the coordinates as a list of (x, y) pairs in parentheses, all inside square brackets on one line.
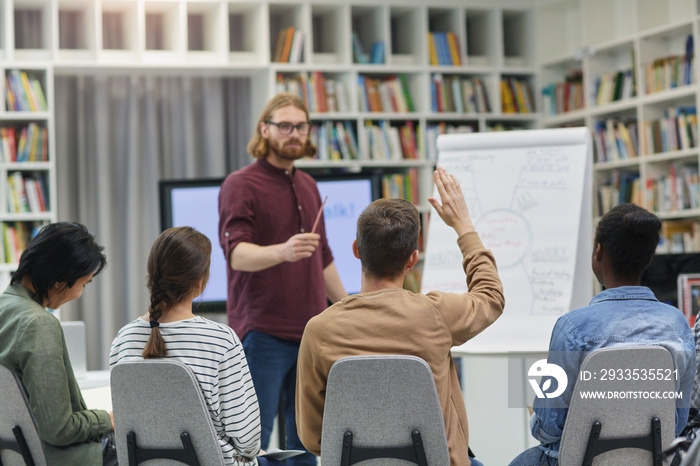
[(286, 128)]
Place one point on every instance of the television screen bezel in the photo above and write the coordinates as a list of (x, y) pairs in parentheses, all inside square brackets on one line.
[(165, 189)]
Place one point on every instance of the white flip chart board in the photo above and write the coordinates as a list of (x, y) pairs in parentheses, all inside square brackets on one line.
[(529, 195)]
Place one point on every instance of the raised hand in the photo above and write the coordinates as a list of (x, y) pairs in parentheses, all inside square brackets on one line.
[(453, 210)]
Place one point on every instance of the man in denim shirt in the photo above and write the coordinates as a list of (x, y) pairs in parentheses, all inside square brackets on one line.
[(623, 314)]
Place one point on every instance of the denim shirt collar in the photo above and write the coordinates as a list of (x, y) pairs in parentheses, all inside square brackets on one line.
[(624, 293)]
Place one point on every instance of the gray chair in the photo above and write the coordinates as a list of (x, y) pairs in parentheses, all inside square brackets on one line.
[(160, 414), (692, 457), (384, 410), (618, 431), (19, 439)]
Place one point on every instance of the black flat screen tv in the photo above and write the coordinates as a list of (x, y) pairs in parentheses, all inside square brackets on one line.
[(194, 203)]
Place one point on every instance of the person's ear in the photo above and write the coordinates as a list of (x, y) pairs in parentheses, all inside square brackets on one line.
[(264, 130), (413, 260), (597, 252), (355, 251)]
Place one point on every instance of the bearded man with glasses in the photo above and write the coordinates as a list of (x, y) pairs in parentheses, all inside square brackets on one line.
[(281, 272)]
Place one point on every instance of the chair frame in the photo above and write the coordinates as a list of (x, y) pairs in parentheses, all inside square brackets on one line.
[(137, 455), (415, 452), (597, 446)]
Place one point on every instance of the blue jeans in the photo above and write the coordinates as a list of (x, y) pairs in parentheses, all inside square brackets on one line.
[(534, 456), (268, 461), (273, 367)]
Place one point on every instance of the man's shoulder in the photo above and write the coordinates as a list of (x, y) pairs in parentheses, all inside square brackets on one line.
[(245, 173)]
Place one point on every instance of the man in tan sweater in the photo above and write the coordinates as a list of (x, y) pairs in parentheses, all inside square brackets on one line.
[(384, 318)]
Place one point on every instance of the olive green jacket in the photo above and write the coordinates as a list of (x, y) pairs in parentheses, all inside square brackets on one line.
[(32, 345)]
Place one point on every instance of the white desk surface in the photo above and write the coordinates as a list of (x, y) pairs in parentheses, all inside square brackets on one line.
[(94, 385)]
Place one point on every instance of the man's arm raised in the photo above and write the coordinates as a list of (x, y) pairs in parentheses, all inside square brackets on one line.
[(453, 210)]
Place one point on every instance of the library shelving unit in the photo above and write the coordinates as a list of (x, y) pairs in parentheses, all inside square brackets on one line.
[(375, 88), (626, 70), (27, 164)]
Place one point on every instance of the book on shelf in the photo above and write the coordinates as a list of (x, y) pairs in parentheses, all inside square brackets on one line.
[(443, 49), (457, 94), (377, 53), (432, 50), (401, 186), (613, 86), (562, 97), (482, 96), (320, 93), (679, 237), (454, 48), (279, 45), (31, 146), (677, 130), (358, 52), (618, 188), (516, 95), (678, 190), (390, 94), (388, 142), (16, 236), (335, 141), (615, 140), (671, 71), (23, 92), (295, 52), (283, 47)]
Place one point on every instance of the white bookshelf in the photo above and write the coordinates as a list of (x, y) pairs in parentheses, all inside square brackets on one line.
[(616, 35), (17, 222)]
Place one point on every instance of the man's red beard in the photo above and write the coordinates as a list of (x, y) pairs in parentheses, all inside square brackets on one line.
[(287, 150)]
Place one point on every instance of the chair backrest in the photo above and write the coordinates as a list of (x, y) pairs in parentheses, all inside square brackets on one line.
[(381, 400), (158, 400), (631, 372), (692, 457), (15, 411)]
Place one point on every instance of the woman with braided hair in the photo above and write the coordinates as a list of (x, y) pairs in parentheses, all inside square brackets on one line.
[(178, 270)]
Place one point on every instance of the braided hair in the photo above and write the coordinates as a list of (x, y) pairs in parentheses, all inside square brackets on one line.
[(179, 260)]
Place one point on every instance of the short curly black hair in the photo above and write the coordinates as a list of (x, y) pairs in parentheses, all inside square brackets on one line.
[(629, 235)]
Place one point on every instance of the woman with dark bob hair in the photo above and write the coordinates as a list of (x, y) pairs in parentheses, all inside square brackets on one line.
[(53, 270)]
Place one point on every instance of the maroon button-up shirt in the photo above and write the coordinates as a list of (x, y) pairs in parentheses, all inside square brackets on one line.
[(265, 205)]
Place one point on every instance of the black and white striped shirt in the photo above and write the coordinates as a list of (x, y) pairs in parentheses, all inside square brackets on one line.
[(215, 355)]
